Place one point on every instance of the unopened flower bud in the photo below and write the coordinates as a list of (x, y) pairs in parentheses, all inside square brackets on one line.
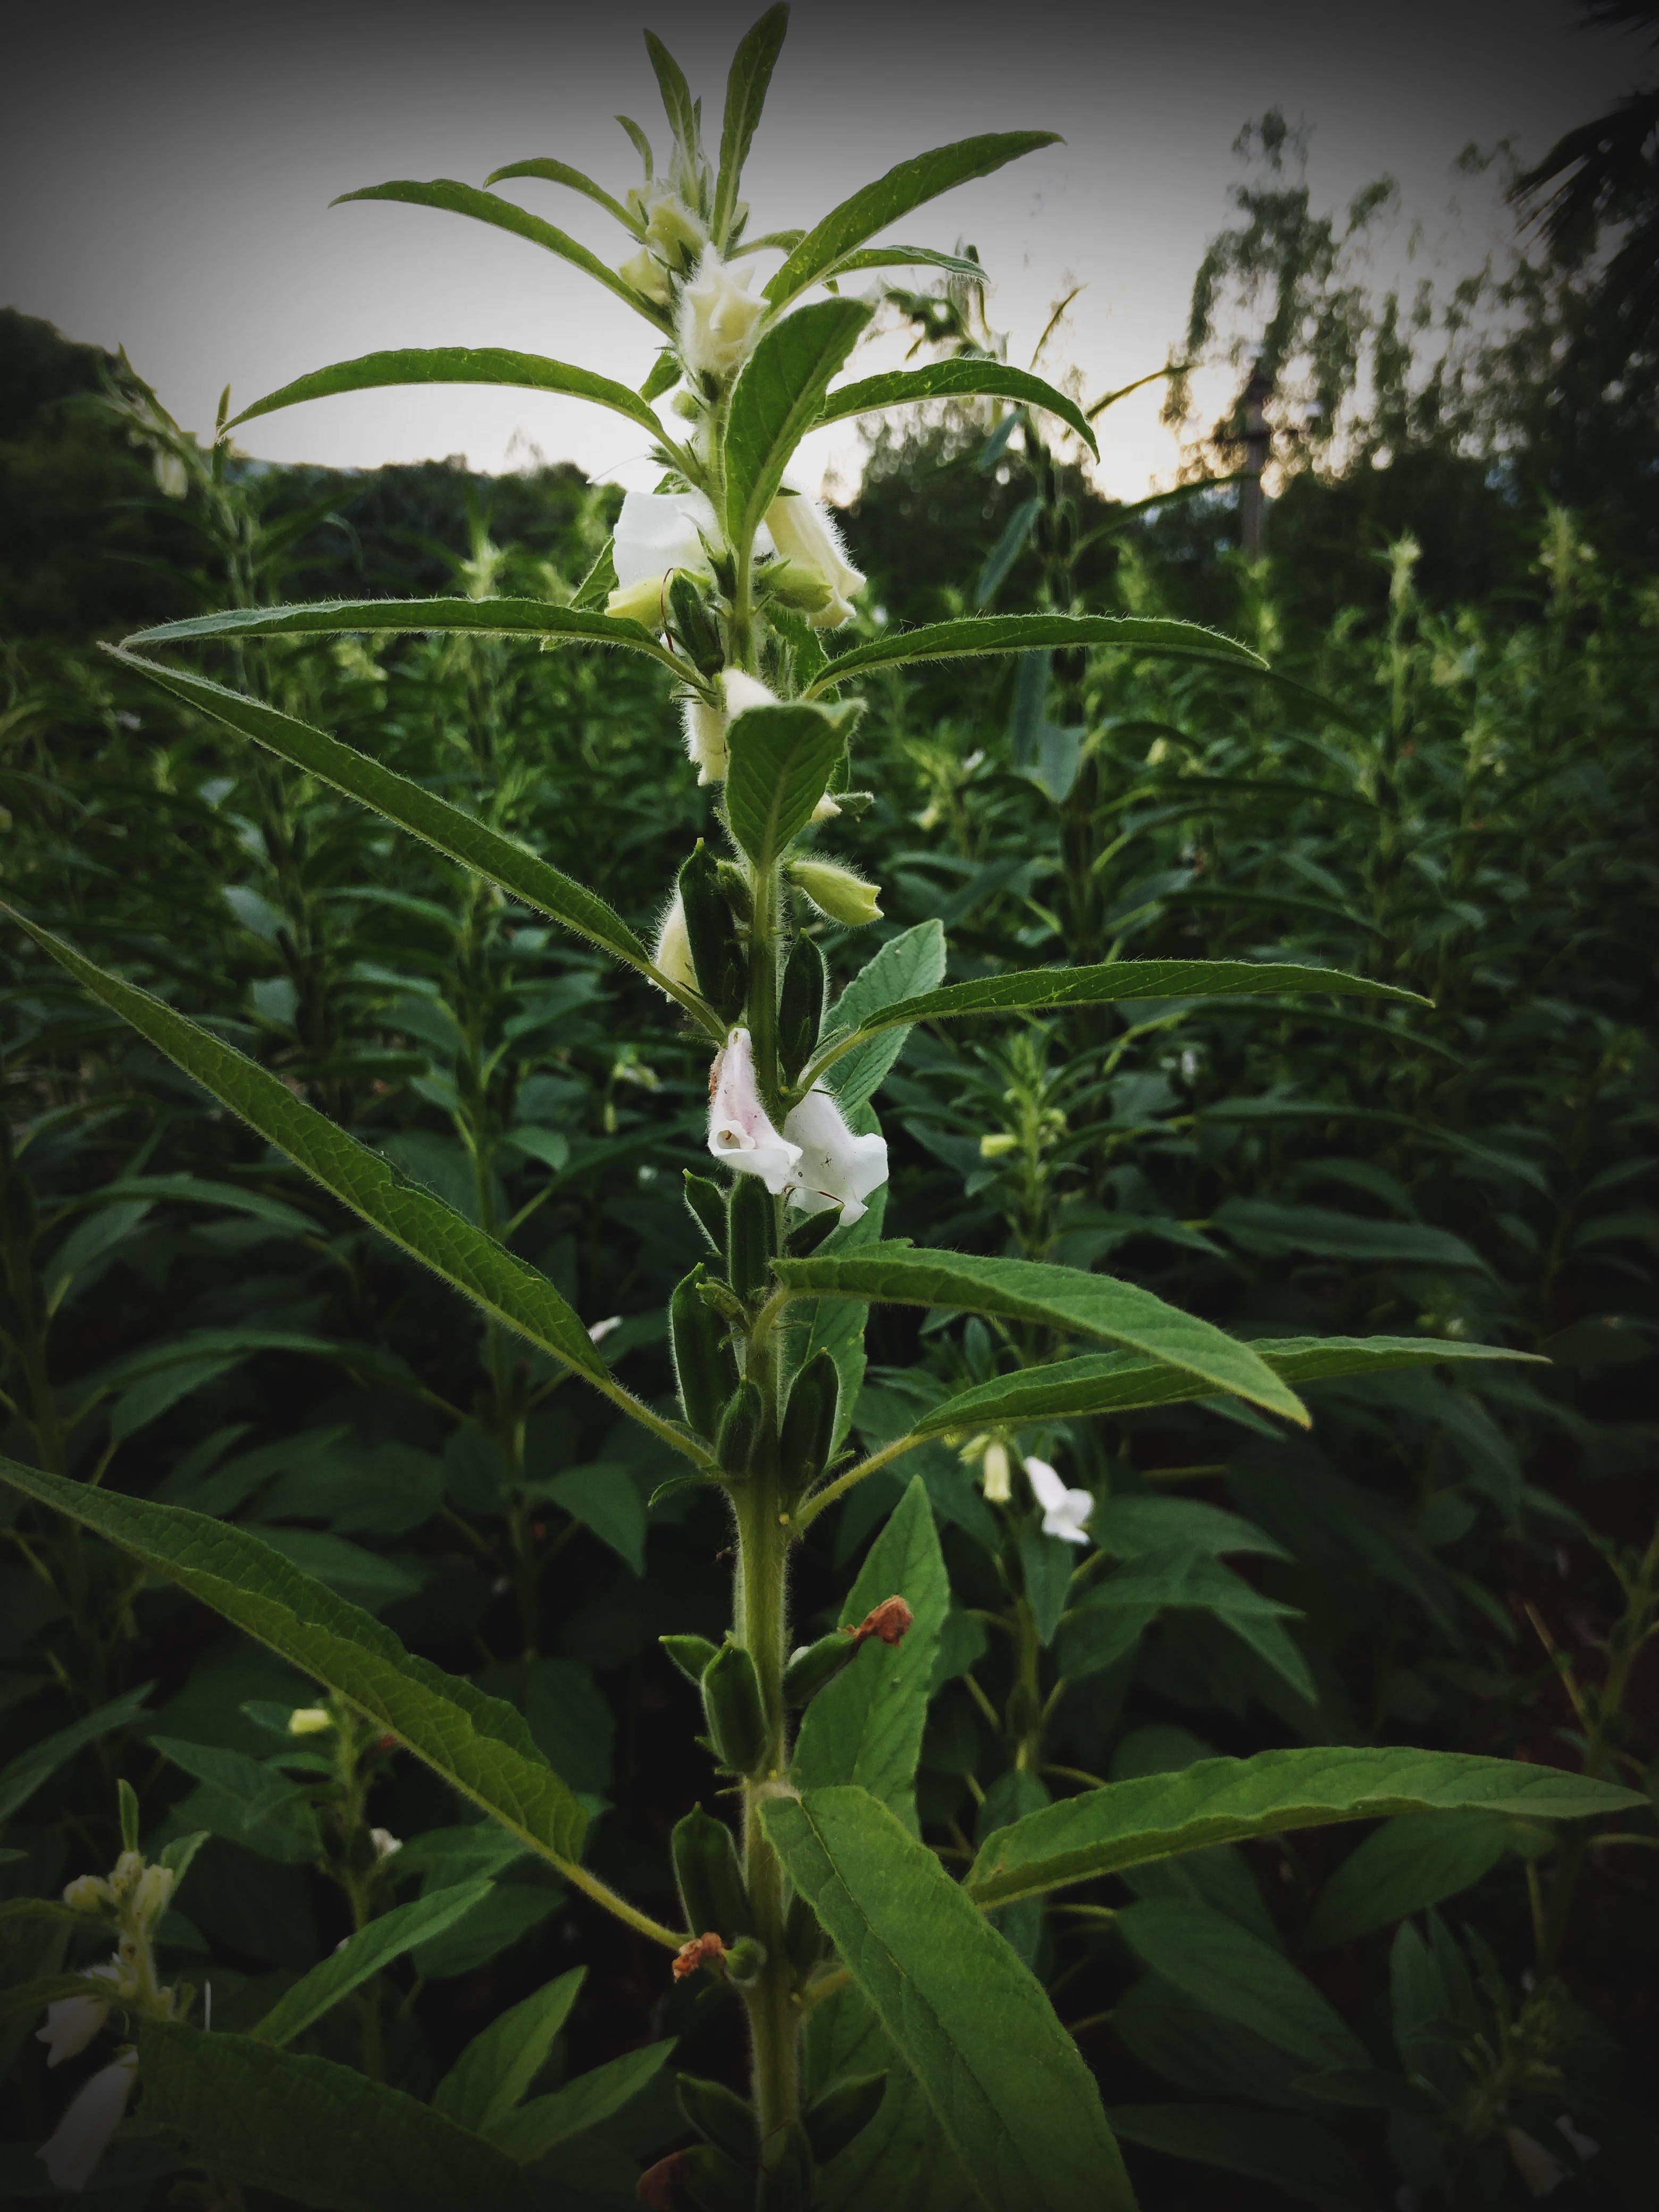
[(153, 1893), (126, 1874), (998, 1489), (793, 584), (385, 1844), (672, 952), (310, 1720), (804, 534), (997, 1145), (90, 1894), (647, 276), (744, 1961), (171, 477), (671, 226), (837, 892), (718, 317)]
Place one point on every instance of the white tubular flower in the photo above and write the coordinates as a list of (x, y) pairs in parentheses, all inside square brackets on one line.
[(83, 2134), (672, 952), (387, 1845), (72, 2022), (837, 892), (1542, 2172), (656, 533), (740, 1132), (717, 316), (837, 1168), (706, 726), (672, 228), (1063, 1511), (802, 530), (999, 1490)]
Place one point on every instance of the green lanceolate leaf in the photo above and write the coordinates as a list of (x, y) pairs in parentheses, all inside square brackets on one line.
[(1183, 1576), (746, 96), (956, 379), (912, 962), (1296, 2157), (478, 617), (1015, 2099), (365, 1954), (495, 2070), (908, 185), (959, 640), (313, 2131), (1235, 1974), (1064, 1298), (479, 1745), (1117, 1381), (459, 365), (534, 2129), (1221, 1801), (1408, 1864), (782, 760), (455, 1248), (902, 256), (554, 172), (490, 207), (865, 1727), (776, 401), (20, 1779), (677, 101)]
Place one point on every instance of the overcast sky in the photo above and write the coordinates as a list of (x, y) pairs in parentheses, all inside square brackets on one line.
[(166, 175)]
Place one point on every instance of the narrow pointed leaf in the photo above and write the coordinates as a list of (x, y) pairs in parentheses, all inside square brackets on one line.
[(1063, 1299), (478, 1745), (1116, 1382), (907, 185), (25, 1774), (531, 372), (534, 2129), (505, 215), (555, 172), (746, 96), (1296, 2157), (314, 2132), (477, 618), (497, 2067), (776, 400), (364, 1955), (677, 104), (902, 256), (1223, 1801), (956, 379), (1406, 1865), (959, 640), (782, 760), (1014, 2097), (1240, 1977), (912, 961)]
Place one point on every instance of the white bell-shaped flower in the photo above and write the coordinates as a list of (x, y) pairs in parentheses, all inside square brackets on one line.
[(658, 531), (718, 316), (835, 1167), (740, 1131), (72, 2022), (802, 530), (70, 2155), (673, 953), (1063, 1511)]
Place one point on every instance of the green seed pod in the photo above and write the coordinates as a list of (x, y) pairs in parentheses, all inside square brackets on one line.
[(816, 1665), (694, 626), (719, 2114), (737, 1719), (806, 1240), (786, 2185), (750, 1232), (738, 1439), (712, 1892), (704, 1368), (744, 1961), (715, 953), (800, 1006), (706, 1203), (842, 2113), (735, 888), (803, 1939), (691, 1655), (808, 1423), (714, 2182)]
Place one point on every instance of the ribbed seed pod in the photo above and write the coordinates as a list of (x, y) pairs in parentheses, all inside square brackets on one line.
[(712, 1892), (800, 1006), (695, 626), (704, 1367), (751, 1233), (691, 1655), (809, 1422), (740, 1435), (737, 1719), (817, 1664), (715, 953), (706, 1203), (842, 2113), (727, 2120)]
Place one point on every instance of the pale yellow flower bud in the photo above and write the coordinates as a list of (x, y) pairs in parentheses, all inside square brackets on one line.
[(310, 1720), (718, 317), (647, 276), (998, 1145), (673, 229), (125, 1873), (998, 1488), (837, 892), (154, 1891), (641, 602), (90, 1894), (673, 948)]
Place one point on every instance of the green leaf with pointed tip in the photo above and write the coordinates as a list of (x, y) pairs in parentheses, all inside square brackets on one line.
[(496, 2068), (479, 1745), (555, 172), (782, 760), (1064, 1298), (313, 2131), (913, 961), (908, 185), (959, 640), (455, 1248), (461, 836), (1296, 2156), (1222, 1800), (24, 1775), (956, 379), (371, 371), (746, 96), (1179, 1575), (1237, 1975), (677, 101), (1015, 2099), (1117, 1381), (505, 215), (363, 1955), (866, 1726), (1409, 1864), (540, 2126), (776, 400), (900, 256), (479, 617)]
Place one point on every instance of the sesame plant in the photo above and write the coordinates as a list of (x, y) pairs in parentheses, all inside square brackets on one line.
[(892, 2013)]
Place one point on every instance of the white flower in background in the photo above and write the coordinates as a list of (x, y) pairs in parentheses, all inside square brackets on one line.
[(740, 1131), (672, 952), (999, 1490), (717, 316), (706, 726), (171, 477), (1063, 1511), (1586, 2145), (1541, 2171), (837, 1168), (802, 532), (83, 2135), (387, 1845), (72, 2022)]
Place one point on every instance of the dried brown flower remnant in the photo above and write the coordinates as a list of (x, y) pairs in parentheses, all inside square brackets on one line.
[(889, 1620), (701, 1951), (656, 2186)]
